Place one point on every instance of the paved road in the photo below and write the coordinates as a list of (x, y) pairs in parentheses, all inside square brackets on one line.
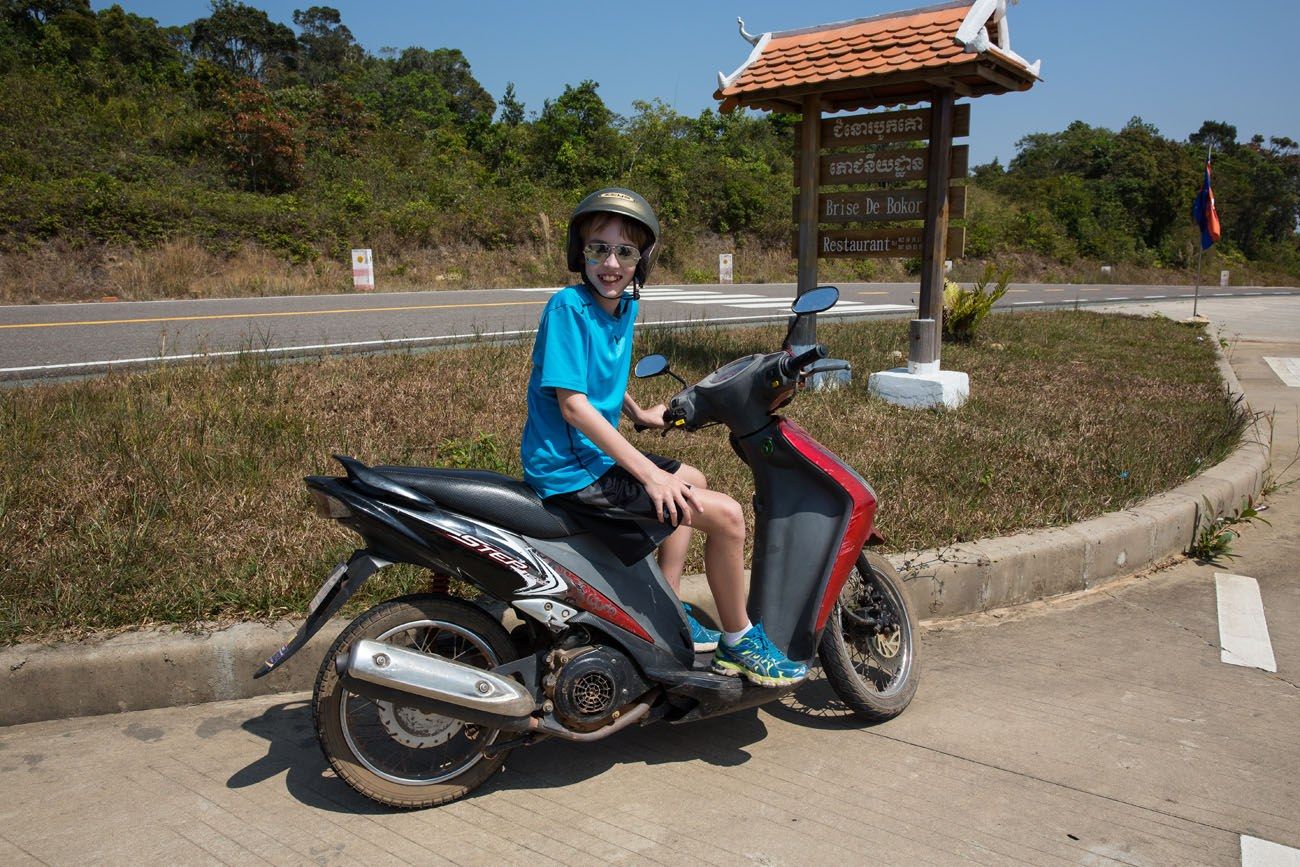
[(1103, 729), (71, 339)]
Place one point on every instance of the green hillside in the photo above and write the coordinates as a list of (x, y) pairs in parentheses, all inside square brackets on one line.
[(239, 155)]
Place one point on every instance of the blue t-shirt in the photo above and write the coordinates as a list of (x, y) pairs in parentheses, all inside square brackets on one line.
[(582, 348)]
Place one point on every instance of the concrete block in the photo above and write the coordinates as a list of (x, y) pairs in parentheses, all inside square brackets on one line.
[(948, 388), (945, 581), (1113, 545), (1175, 517), (140, 670), (1030, 566)]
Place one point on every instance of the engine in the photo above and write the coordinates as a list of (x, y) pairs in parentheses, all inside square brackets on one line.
[(588, 685)]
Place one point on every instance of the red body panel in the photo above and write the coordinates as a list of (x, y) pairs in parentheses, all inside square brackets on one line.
[(859, 525)]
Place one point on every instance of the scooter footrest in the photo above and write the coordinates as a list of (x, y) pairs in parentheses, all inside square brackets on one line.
[(704, 685)]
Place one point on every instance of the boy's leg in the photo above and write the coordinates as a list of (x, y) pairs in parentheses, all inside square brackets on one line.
[(723, 524), (672, 552)]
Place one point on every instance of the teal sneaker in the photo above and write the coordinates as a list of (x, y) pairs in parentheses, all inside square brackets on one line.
[(758, 659), (704, 638)]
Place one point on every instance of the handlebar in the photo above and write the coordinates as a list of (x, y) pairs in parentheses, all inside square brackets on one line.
[(792, 365)]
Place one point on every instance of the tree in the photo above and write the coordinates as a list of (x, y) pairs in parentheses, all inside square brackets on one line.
[(136, 44), (326, 47), (1221, 136), (244, 41), (512, 109), (260, 141), (466, 98), (575, 142)]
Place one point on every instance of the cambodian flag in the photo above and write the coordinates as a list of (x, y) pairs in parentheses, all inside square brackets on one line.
[(1204, 212)]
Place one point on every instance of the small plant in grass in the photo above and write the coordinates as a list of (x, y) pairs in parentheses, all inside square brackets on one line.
[(965, 309), (1214, 538)]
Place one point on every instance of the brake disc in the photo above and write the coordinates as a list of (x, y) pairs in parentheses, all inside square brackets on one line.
[(414, 728), (887, 644)]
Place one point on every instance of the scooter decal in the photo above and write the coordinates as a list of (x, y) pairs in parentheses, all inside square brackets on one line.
[(859, 526), (590, 599), (538, 579)]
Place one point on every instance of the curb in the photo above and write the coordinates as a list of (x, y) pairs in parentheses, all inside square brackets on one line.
[(155, 668)]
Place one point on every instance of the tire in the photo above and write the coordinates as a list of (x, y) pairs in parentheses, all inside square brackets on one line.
[(397, 755), (874, 671)]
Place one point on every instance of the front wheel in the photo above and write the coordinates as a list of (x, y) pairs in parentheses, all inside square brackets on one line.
[(868, 649), (394, 753)]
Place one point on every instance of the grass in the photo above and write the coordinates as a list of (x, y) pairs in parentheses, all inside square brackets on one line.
[(175, 496)]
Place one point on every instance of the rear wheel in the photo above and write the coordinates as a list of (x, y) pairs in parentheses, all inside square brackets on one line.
[(868, 650), (394, 753)]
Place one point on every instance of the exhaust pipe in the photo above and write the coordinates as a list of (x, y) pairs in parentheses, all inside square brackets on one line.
[(447, 686)]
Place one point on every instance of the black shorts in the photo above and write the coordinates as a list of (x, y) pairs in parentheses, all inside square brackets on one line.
[(617, 510)]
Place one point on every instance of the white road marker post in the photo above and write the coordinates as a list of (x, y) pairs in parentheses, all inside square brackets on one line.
[(363, 271)]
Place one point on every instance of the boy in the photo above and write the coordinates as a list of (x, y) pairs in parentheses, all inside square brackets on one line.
[(574, 456)]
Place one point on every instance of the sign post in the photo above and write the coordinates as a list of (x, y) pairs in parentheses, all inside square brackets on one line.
[(919, 57), (724, 267)]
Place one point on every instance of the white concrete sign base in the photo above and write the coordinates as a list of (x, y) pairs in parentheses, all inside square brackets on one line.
[(948, 388)]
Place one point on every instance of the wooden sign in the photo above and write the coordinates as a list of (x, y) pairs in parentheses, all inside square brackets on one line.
[(898, 164), (880, 205), (880, 243), (885, 126)]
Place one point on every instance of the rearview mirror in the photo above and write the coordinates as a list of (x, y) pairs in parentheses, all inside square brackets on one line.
[(651, 365), (816, 300)]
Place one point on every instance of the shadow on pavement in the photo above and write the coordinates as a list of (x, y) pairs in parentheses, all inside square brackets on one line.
[(815, 705), (292, 749)]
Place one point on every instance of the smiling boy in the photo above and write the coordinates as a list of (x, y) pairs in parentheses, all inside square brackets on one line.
[(575, 457)]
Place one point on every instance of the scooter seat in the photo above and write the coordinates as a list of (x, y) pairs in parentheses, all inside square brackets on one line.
[(489, 496)]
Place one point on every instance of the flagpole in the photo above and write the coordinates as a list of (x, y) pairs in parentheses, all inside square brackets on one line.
[(1200, 251)]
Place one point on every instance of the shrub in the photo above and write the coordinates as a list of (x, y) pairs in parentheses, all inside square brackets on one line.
[(964, 309)]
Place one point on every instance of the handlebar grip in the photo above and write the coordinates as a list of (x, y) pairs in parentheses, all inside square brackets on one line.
[(791, 366)]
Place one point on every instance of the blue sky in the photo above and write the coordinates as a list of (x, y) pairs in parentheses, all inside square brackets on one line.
[(1174, 63)]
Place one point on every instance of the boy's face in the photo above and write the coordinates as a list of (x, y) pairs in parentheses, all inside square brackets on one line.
[(608, 276)]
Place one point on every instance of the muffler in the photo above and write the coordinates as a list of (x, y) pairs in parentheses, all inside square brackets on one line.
[(388, 672)]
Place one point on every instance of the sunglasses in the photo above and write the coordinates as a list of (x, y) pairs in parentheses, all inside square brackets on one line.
[(598, 251)]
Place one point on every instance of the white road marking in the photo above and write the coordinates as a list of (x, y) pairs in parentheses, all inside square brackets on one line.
[(1261, 853), (1152, 297), (843, 307), (1243, 632), (1287, 369), (1025, 303), (1118, 298)]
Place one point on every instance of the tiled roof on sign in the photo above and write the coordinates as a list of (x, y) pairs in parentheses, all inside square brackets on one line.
[(916, 42)]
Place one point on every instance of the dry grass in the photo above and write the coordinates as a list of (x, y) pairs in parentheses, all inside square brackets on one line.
[(175, 496)]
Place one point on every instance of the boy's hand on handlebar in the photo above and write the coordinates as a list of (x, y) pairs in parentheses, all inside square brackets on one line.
[(652, 418)]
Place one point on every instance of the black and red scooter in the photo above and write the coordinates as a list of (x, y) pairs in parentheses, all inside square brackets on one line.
[(421, 698)]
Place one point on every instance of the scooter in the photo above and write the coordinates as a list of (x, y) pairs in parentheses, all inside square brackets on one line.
[(421, 698)]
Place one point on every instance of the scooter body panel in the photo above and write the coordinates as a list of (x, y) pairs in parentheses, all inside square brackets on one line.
[(807, 515), (640, 590)]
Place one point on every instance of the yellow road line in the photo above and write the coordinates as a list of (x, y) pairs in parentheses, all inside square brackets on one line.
[(266, 315), (873, 293)]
